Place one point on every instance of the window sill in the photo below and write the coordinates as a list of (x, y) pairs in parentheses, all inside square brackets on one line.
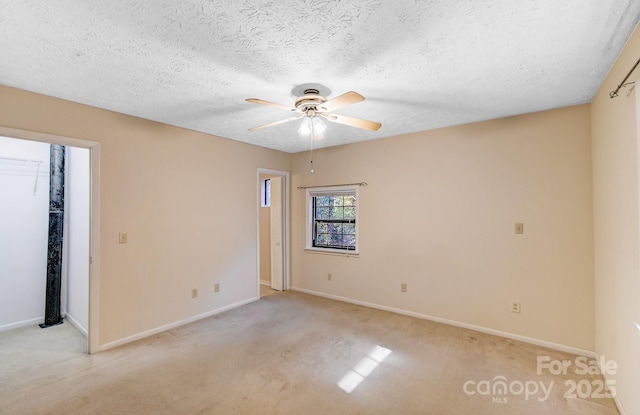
[(334, 252)]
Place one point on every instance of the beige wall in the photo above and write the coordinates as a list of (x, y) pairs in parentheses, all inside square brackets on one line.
[(187, 200), (617, 248), (439, 214)]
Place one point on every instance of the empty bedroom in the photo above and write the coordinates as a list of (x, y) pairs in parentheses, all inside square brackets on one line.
[(319, 207)]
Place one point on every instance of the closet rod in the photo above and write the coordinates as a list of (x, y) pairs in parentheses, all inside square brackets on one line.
[(21, 160), (38, 162)]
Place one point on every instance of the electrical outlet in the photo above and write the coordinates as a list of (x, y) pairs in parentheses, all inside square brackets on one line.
[(216, 288), (519, 228), (194, 293), (403, 287), (122, 237), (515, 306), (329, 276)]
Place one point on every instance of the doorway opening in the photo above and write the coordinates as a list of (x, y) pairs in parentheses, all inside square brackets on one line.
[(273, 232), (26, 176)]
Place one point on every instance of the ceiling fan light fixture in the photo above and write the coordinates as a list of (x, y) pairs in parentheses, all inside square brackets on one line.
[(311, 125), (305, 126), (318, 127)]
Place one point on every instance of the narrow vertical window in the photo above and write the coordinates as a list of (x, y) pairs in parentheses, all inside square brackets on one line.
[(266, 193)]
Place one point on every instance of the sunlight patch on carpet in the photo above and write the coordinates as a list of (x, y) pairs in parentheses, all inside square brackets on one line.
[(363, 368)]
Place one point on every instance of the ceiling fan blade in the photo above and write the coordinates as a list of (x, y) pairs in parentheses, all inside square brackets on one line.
[(353, 122), (343, 100), (276, 123), (271, 104)]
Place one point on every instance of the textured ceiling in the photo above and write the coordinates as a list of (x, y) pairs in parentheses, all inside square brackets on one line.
[(420, 64)]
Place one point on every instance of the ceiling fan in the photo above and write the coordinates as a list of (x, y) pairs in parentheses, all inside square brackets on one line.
[(311, 105)]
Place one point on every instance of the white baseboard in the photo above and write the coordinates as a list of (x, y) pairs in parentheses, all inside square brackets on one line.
[(265, 282), (19, 324), (173, 325), (75, 324), (530, 340), (616, 398)]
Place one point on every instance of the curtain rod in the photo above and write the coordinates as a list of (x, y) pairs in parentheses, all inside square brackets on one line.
[(333, 185), (614, 93)]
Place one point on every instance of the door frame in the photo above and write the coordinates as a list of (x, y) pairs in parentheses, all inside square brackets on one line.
[(286, 248), (93, 338), (275, 232)]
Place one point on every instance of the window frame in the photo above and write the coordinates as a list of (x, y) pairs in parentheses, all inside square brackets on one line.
[(329, 191)]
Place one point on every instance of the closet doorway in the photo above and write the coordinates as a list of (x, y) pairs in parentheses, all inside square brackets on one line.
[(25, 185)]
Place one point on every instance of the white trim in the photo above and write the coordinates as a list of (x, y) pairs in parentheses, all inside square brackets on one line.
[(530, 340), (332, 252), (286, 237), (75, 324), (619, 407), (265, 282), (616, 398), (94, 260), (147, 333), (19, 324), (93, 339)]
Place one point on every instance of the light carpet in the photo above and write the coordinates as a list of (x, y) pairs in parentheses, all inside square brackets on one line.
[(289, 353)]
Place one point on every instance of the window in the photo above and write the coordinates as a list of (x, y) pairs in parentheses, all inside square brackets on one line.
[(333, 219), (265, 193)]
